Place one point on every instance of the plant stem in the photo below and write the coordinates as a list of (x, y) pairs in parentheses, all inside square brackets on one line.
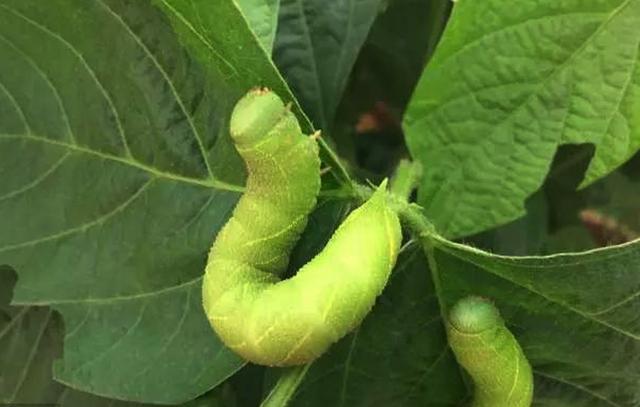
[(286, 386), (406, 179)]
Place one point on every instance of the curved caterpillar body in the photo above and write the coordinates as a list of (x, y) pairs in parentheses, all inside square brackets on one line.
[(289, 322), (490, 354)]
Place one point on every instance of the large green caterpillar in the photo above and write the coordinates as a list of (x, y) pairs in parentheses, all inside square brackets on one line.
[(289, 322), (491, 354)]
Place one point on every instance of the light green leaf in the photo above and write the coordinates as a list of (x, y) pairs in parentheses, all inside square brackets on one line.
[(316, 46), (116, 173), (263, 19), (509, 83), (575, 315)]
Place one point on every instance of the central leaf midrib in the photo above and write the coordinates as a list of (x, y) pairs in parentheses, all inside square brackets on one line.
[(129, 159), (115, 299), (158, 173), (167, 79)]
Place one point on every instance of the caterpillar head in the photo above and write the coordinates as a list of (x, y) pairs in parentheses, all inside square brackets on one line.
[(473, 315), (254, 115)]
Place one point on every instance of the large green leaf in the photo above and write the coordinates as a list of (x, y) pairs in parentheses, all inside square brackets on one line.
[(317, 43), (263, 19), (116, 173), (576, 316), (509, 83)]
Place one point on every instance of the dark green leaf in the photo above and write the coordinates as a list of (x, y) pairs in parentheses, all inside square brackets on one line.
[(316, 46), (576, 316)]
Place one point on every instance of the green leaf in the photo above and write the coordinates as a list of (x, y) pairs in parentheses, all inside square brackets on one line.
[(116, 175), (508, 84), (399, 355), (402, 39), (263, 19), (285, 387), (30, 339), (228, 56), (575, 315), (316, 46)]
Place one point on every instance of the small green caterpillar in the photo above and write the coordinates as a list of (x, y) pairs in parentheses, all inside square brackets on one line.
[(490, 353), (290, 322)]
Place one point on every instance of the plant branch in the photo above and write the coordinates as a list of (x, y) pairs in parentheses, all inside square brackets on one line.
[(406, 179), (286, 386)]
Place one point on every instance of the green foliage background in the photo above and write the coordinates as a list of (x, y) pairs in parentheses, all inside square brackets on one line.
[(116, 171)]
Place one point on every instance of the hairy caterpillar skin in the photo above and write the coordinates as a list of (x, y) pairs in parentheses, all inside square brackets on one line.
[(490, 354), (290, 322)]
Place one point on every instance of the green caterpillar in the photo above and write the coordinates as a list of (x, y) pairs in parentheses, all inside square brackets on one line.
[(290, 322), (490, 353)]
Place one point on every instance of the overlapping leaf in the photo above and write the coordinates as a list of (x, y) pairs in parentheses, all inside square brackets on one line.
[(316, 46)]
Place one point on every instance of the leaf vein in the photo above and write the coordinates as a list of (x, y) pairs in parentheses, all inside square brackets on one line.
[(169, 82), (37, 181), (83, 227), (85, 65)]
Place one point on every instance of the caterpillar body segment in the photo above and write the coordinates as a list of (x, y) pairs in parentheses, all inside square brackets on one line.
[(489, 352), (289, 322)]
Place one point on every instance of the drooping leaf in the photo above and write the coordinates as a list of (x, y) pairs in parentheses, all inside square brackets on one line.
[(116, 173), (509, 83), (317, 43), (575, 315), (263, 19)]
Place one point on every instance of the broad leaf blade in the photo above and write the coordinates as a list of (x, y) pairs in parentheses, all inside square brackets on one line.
[(113, 188), (576, 316), (316, 46), (509, 83)]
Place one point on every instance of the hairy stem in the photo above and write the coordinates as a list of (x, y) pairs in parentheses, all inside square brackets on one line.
[(406, 179)]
